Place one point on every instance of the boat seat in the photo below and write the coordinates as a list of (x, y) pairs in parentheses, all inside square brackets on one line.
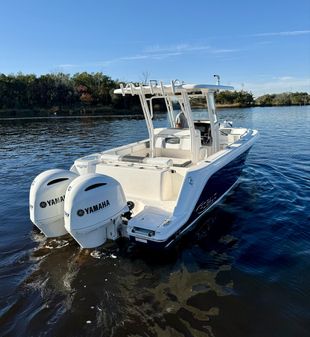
[(175, 139), (156, 161), (151, 182), (132, 159), (176, 143)]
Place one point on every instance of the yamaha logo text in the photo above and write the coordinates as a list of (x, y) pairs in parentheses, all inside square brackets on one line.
[(94, 208), (52, 202)]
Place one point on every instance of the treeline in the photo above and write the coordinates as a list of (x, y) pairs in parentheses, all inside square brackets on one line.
[(286, 98), (90, 90), (227, 98), (61, 90), (244, 98)]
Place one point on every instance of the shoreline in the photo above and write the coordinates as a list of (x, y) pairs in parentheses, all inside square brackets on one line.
[(21, 114), (72, 117)]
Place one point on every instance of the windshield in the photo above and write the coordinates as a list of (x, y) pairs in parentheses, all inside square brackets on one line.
[(200, 115)]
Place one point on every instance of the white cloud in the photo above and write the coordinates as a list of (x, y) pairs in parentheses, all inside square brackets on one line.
[(183, 48), (276, 85), (155, 53), (157, 56), (68, 65), (223, 51), (284, 78), (130, 58), (288, 33)]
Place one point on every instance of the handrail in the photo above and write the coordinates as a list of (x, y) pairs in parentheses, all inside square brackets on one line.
[(182, 92)]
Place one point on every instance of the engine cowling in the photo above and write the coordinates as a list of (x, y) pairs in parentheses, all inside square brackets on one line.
[(93, 207), (46, 201)]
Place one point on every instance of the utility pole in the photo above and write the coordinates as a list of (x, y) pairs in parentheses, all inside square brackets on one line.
[(217, 79)]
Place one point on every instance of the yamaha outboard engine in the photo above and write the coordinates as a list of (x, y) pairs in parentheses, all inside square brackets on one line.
[(94, 206), (46, 199)]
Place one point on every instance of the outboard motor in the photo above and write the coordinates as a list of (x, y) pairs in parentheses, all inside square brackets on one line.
[(46, 201), (93, 209)]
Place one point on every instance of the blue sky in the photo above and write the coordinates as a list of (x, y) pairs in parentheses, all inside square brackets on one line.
[(262, 46)]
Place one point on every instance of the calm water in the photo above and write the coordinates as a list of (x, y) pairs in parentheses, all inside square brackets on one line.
[(244, 272)]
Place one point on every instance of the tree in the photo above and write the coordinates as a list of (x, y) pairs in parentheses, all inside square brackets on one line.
[(265, 100), (145, 77), (243, 98), (97, 86), (286, 98)]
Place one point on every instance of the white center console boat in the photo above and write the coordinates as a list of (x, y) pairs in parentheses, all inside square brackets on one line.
[(152, 191)]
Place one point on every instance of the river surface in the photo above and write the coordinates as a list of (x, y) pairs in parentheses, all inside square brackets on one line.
[(245, 271)]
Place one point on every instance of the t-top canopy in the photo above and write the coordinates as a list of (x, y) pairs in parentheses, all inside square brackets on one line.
[(170, 89)]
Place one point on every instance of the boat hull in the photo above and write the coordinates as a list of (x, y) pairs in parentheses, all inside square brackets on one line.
[(214, 190)]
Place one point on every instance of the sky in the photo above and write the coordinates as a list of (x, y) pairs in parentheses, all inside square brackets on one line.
[(259, 46)]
